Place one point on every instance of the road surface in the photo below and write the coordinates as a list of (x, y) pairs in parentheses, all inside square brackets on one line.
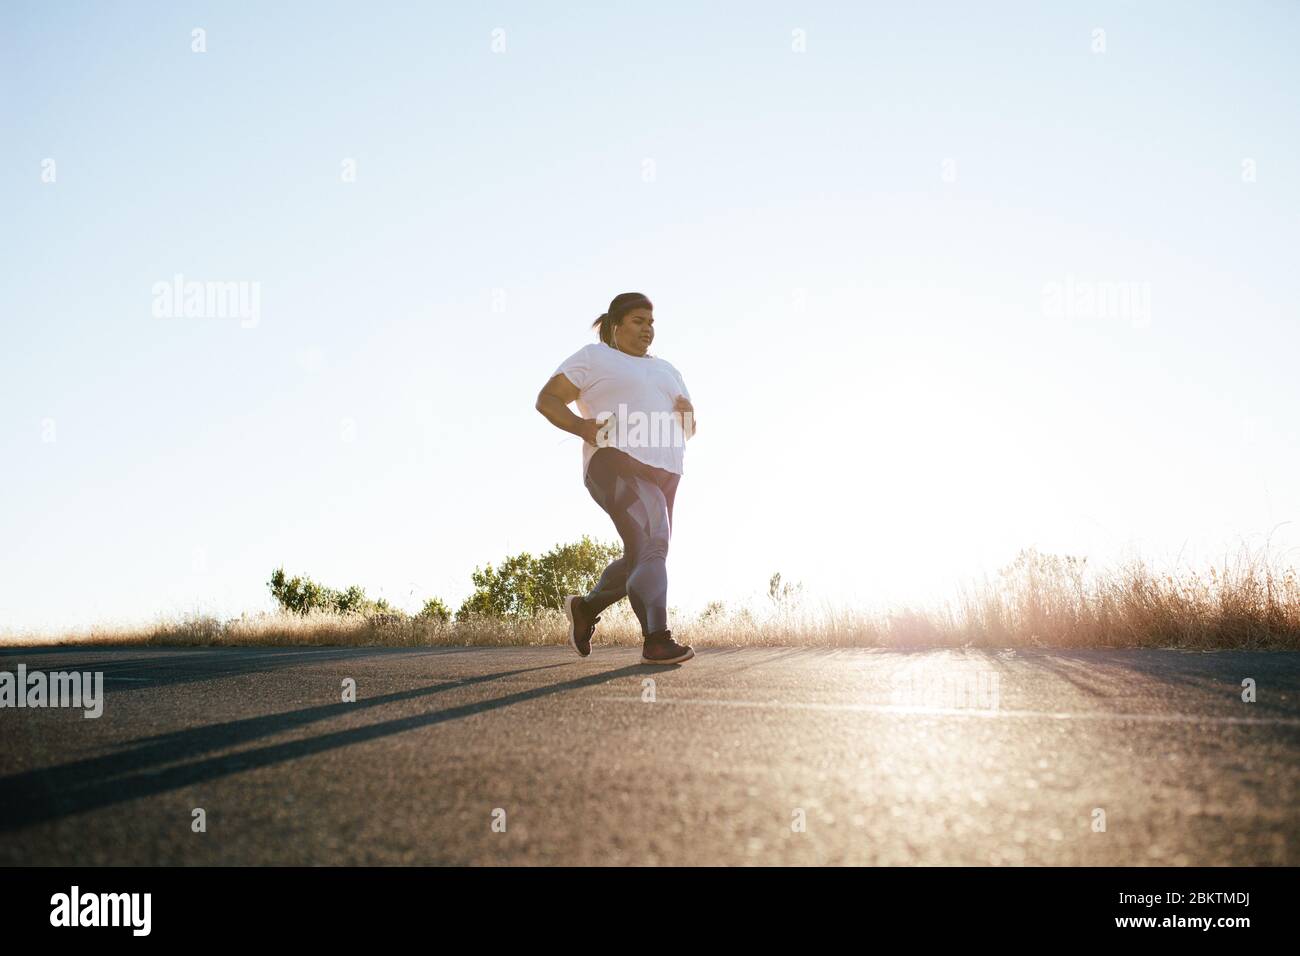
[(742, 756)]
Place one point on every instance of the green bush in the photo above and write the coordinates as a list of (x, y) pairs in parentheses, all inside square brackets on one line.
[(434, 610), (522, 585), (519, 587), (303, 595)]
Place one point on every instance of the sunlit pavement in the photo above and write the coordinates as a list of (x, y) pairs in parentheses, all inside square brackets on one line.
[(741, 756)]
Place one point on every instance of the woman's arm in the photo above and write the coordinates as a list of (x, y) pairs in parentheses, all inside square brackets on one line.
[(684, 408), (682, 404), (553, 402)]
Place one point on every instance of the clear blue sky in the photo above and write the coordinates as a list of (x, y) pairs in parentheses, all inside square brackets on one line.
[(848, 249)]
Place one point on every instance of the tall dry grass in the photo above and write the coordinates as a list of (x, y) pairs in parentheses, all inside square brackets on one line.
[(1039, 601)]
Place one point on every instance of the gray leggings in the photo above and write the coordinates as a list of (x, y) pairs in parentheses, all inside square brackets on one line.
[(639, 497)]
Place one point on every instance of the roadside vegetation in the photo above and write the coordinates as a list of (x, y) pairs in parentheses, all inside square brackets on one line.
[(1039, 600)]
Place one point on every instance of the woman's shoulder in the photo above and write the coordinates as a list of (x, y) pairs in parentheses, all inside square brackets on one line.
[(587, 352)]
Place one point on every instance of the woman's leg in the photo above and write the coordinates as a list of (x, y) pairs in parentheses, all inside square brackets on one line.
[(640, 511), (611, 587)]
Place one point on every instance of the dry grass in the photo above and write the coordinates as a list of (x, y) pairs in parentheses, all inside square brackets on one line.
[(1040, 601)]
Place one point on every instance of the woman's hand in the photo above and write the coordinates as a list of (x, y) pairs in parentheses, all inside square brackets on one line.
[(591, 429), (682, 405)]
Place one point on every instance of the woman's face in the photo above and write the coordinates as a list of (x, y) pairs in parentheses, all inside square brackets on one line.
[(635, 331)]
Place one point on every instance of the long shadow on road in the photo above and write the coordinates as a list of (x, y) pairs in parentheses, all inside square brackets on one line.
[(140, 770), (50, 793), (141, 670)]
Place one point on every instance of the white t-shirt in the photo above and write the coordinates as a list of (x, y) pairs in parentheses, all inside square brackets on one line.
[(639, 391)]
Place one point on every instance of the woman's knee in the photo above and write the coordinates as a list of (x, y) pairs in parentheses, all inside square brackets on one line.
[(656, 547)]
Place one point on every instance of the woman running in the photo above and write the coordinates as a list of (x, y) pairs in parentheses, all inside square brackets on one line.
[(637, 415)]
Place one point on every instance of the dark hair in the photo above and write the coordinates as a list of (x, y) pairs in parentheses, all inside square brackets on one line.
[(619, 306)]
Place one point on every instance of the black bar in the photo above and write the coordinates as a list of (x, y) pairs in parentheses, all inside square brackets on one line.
[(337, 905)]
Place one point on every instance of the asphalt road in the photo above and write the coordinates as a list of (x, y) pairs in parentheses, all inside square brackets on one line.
[(741, 756)]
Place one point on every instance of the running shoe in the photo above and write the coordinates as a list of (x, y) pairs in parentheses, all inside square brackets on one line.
[(662, 649), (581, 624)]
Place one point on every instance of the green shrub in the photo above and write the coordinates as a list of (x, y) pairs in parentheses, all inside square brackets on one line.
[(434, 610), (303, 595), (522, 585)]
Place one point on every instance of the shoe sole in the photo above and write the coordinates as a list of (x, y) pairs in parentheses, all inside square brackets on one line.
[(573, 629), (690, 652)]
